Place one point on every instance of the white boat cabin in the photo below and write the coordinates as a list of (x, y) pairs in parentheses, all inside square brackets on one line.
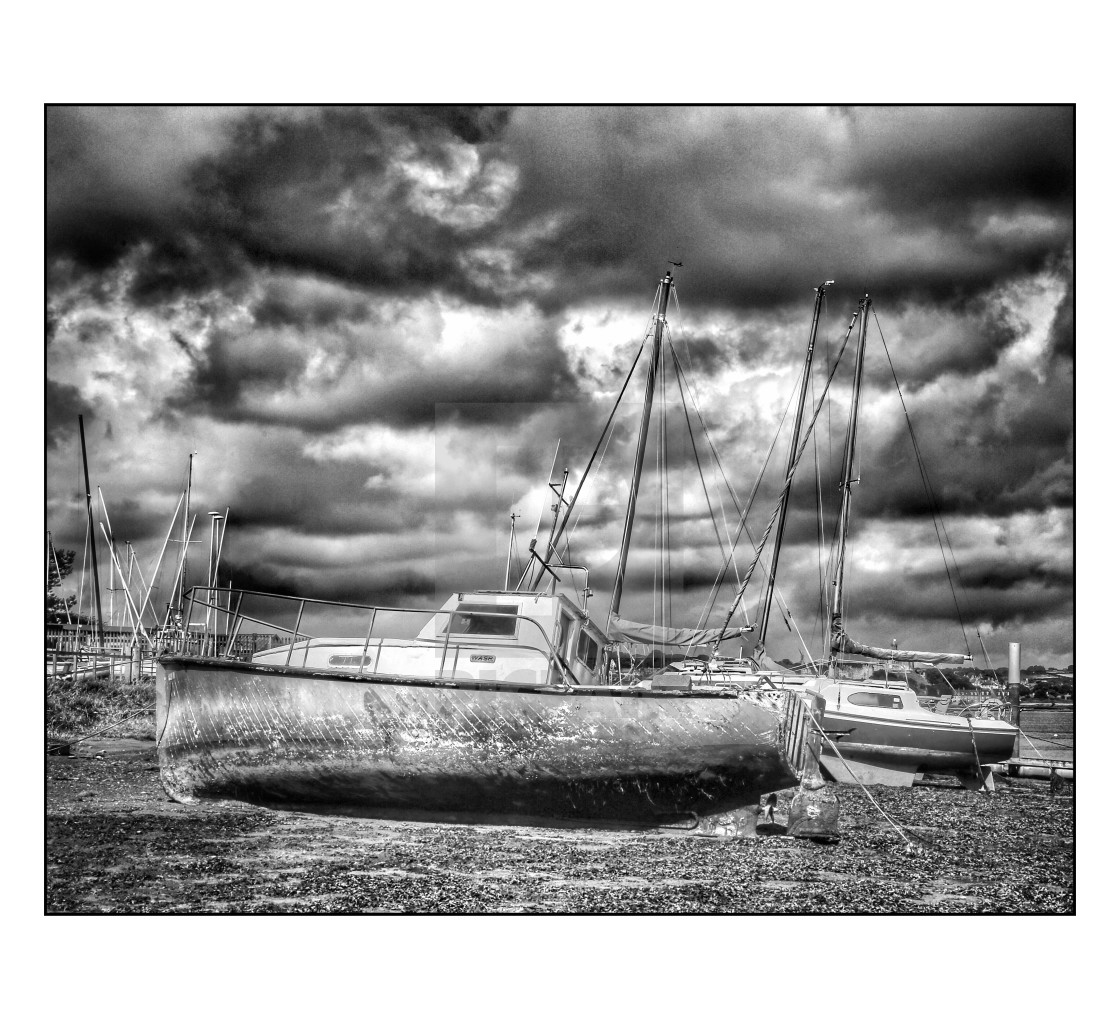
[(487, 635)]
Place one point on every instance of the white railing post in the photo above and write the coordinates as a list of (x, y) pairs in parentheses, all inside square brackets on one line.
[(369, 633)]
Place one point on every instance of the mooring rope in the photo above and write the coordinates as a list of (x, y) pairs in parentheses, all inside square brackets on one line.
[(975, 751), (1026, 736), (901, 829), (1051, 742)]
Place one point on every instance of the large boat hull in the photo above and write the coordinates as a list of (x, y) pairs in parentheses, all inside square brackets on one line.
[(230, 729)]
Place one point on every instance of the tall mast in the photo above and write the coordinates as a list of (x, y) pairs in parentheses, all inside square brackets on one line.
[(847, 477), (790, 463), (186, 517), (159, 562), (530, 573), (557, 509), (93, 536), (643, 430)]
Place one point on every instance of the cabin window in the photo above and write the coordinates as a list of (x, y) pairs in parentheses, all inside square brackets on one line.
[(565, 632), (484, 620), (885, 700), (588, 649)]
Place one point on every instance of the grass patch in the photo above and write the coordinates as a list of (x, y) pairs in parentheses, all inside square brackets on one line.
[(76, 707)]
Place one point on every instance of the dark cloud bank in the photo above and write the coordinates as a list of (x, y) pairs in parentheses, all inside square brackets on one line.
[(323, 228)]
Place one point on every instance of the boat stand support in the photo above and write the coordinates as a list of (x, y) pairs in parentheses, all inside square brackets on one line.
[(982, 780), (814, 811)]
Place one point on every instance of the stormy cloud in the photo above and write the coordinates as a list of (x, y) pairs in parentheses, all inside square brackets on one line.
[(372, 327)]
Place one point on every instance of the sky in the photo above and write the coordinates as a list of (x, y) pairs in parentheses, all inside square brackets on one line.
[(372, 328)]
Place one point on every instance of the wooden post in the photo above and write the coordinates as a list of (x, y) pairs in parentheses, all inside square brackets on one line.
[(1013, 688)]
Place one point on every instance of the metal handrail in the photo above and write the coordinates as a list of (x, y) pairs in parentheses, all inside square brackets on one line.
[(196, 597)]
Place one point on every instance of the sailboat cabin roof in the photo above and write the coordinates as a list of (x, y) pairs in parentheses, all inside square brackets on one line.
[(505, 614)]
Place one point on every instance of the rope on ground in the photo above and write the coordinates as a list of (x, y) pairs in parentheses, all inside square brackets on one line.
[(104, 728)]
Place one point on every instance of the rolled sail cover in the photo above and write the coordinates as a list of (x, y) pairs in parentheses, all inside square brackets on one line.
[(843, 644), (657, 635)]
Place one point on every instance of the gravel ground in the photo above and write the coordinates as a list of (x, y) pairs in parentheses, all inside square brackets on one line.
[(116, 844)]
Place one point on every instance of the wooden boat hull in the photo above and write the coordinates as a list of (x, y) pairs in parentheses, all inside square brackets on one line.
[(229, 729)]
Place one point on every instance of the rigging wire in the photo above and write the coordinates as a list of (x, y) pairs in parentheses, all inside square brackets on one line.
[(607, 429), (52, 553), (818, 496), (742, 526), (82, 581), (730, 557), (540, 511), (792, 470), (569, 534), (562, 533), (709, 605), (683, 383), (781, 423), (696, 457), (929, 492)]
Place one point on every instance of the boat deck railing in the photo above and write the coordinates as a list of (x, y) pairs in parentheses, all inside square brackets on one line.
[(216, 617)]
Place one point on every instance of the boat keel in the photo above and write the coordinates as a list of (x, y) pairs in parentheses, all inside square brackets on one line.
[(982, 780), (868, 772)]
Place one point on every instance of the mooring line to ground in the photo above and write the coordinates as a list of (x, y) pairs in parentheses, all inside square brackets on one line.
[(1027, 736), (975, 751), (1037, 750), (900, 828), (111, 724)]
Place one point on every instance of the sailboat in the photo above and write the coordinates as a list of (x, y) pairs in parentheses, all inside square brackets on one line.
[(877, 731), (498, 703)]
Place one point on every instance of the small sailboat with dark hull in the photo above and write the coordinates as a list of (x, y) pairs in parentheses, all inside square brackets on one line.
[(880, 732), (876, 730), (502, 703)]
